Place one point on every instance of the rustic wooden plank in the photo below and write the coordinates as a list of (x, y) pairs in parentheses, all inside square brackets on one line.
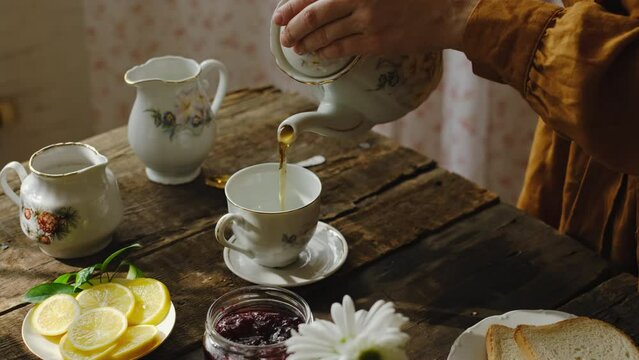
[(157, 215), (194, 270), (412, 209), (492, 262), (11, 345), (615, 301)]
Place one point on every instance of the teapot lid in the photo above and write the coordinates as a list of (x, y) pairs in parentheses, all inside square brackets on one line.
[(308, 68)]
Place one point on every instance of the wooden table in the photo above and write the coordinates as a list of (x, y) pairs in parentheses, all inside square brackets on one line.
[(447, 252)]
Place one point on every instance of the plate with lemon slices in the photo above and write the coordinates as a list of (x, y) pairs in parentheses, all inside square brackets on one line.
[(123, 319)]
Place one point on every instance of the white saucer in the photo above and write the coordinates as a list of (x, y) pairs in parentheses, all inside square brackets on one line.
[(324, 254), (47, 348), (471, 344)]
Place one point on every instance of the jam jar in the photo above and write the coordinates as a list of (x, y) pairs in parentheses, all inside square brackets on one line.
[(252, 323)]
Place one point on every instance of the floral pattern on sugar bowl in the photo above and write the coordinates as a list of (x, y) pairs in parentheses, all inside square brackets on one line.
[(192, 113), (47, 226)]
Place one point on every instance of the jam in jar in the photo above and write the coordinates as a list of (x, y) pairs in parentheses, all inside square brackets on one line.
[(253, 323)]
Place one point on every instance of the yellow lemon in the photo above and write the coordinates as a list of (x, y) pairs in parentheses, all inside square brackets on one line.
[(137, 341), (97, 329), (110, 294), (152, 300), (69, 352), (54, 315)]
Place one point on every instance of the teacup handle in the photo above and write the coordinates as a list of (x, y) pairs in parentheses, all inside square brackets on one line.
[(208, 65), (220, 230), (22, 173)]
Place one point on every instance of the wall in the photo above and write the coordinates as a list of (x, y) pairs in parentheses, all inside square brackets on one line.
[(43, 75)]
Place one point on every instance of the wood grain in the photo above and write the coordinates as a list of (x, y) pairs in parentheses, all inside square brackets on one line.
[(443, 249), (360, 183), (615, 301), (194, 271), (157, 215), (488, 263)]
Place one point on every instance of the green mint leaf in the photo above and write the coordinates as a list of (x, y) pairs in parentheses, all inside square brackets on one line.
[(105, 263), (83, 276), (64, 278), (134, 271), (41, 292)]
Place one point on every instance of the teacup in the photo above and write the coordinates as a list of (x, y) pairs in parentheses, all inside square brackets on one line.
[(262, 231)]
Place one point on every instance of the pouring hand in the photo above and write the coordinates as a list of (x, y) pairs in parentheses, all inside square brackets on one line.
[(336, 28)]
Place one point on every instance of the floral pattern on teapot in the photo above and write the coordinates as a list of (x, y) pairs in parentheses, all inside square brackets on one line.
[(192, 113), (408, 74), (46, 226)]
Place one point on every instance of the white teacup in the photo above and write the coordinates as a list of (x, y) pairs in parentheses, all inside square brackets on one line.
[(261, 229)]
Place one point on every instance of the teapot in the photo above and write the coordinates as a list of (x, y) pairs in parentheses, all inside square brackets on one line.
[(358, 92), (70, 203), (171, 127)]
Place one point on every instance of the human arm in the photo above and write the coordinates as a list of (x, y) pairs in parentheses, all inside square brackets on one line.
[(577, 67)]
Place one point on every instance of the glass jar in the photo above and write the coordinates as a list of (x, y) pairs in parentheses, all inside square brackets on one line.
[(251, 299)]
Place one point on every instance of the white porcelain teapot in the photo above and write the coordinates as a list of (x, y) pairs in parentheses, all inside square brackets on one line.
[(70, 203), (358, 92)]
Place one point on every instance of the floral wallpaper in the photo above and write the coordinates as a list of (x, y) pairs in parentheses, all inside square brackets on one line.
[(478, 129)]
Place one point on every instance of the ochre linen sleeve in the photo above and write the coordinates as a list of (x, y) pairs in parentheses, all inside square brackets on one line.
[(577, 67)]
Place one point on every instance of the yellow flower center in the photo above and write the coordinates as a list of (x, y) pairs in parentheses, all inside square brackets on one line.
[(370, 354)]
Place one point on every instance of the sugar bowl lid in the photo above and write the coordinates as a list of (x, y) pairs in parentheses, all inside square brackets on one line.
[(307, 68)]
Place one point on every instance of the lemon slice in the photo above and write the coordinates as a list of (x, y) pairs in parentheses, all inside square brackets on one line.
[(136, 342), (152, 300), (110, 294), (97, 329), (69, 352), (54, 315)]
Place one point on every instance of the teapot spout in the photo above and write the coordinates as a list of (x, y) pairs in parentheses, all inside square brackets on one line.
[(329, 120)]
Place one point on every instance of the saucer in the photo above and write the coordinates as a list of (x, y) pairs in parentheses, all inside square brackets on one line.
[(47, 347), (324, 254)]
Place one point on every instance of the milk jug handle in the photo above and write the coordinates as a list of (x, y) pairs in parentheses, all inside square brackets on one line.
[(22, 173), (206, 66)]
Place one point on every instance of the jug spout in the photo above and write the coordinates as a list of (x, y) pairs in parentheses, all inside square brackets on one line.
[(329, 120), (165, 69), (65, 159)]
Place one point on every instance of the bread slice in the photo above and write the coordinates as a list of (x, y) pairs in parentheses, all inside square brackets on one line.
[(575, 339), (500, 343)]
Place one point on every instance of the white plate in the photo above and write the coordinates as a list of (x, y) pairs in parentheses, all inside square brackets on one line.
[(324, 254), (471, 344), (47, 348)]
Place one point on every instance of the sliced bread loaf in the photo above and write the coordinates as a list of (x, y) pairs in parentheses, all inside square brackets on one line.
[(500, 343), (574, 339)]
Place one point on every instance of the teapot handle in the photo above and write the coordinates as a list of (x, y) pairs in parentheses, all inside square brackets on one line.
[(208, 65), (22, 173)]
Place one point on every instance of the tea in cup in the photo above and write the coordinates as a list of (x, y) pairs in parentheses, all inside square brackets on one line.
[(263, 230)]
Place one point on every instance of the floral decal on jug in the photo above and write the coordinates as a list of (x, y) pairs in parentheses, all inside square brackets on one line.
[(191, 113), (47, 226)]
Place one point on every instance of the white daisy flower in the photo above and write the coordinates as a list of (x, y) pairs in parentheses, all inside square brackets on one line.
[(363, 335)]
